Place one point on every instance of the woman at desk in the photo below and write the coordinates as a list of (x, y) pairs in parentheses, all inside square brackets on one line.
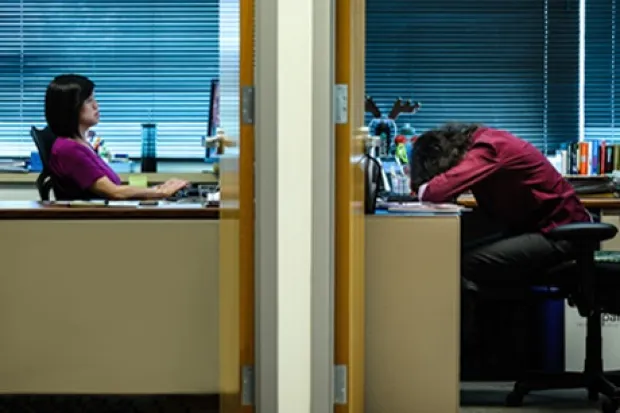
[(70, 111), (512, 182), (514, 185)]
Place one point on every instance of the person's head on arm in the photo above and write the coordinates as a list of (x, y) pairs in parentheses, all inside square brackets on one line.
[(71, 109), (439, 150)]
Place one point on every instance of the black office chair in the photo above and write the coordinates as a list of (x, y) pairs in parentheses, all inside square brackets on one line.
[(579, 282), (44, 140)]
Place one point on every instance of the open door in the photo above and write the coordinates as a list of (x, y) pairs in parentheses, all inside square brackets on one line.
[(237, 241), (349, 279)]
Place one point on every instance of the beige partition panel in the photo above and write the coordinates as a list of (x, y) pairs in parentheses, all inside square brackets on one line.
[(412, 314), (109, 306), (611, 217)]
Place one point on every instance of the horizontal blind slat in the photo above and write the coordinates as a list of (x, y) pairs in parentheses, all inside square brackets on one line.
[(477, 61), (601, 69)]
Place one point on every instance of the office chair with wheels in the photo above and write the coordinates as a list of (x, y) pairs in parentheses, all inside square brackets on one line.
[(579, 281), (44, 140)]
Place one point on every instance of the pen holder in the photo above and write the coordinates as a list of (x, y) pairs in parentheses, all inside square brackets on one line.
[(149, 147)]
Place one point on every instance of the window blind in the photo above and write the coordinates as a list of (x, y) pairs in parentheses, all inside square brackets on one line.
[(152, 62), (511, 65), (229, 68), (601, 105)]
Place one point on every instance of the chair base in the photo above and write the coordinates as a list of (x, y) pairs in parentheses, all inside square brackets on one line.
[(606, 384)]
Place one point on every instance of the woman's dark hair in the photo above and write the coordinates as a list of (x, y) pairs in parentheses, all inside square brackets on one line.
[(437, 150), (64, 98)]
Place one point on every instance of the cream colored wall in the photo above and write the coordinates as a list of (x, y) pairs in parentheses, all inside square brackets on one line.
[(109, 306), (412, 314)]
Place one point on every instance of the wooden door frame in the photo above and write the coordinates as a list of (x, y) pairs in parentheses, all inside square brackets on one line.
[(246, 193), (349, 249)]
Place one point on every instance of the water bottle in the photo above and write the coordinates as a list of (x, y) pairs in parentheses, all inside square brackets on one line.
[(149, 147)]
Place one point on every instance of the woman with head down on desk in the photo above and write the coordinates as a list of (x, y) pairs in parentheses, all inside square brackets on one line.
[(515, 185), (78, 172)]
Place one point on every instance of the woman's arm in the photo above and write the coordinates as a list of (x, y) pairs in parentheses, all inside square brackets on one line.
[(109, 190)]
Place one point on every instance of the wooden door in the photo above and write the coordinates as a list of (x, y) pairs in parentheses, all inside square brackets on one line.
[(349, 279), (237, 242)]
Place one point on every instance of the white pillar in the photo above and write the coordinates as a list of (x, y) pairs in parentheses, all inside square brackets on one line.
[(294, 205)]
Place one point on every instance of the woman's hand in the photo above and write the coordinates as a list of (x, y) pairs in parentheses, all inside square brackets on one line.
[(171, 187)]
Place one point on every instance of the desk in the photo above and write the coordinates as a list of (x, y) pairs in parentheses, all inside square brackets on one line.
[(412, 313), (589, 202), (607, 208), (109, 300)]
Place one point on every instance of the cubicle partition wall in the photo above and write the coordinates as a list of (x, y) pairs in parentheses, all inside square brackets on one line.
[(412, 313), (109, 300)]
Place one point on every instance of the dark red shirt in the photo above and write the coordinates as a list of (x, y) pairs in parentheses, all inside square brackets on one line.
[(512, 181)]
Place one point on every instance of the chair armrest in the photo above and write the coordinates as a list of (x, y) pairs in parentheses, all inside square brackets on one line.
[(583, 232)]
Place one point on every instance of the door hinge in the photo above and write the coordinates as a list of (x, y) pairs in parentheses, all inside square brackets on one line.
[(340, 384), (247, 385), (247, 105), (341, 104)]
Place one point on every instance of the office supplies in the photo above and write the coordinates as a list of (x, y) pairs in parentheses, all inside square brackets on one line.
[(208, 194)]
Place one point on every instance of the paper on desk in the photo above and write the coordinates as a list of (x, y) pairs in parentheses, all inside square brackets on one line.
[(426, 208), (140, 181)]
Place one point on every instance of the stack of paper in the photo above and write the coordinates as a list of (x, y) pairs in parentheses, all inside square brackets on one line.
[(420, 207)]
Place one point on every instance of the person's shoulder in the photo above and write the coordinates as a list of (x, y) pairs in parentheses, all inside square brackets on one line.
[(498, 138), (65, 147), (487, 134)]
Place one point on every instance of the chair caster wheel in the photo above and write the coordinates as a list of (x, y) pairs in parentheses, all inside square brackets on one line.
[(515, 399), (609, 406)]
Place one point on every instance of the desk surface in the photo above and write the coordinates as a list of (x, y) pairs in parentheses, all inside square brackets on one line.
[(36, 210), (589, 202)]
